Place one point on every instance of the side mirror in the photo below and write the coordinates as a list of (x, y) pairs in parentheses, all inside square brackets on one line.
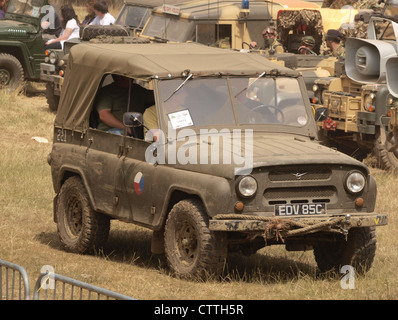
[(133, 119), (321, 114)]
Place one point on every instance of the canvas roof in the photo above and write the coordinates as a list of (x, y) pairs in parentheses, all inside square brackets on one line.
[(88, 63)]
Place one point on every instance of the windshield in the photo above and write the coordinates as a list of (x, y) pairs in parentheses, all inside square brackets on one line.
[(30, 8), (170, 28), (133, 16), (257, 101)]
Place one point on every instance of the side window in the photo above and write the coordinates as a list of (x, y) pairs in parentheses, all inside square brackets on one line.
[(115, 96), (215, 35)]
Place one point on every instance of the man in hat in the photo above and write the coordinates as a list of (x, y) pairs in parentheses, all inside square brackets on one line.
[(307, 45), (270, 42), (333, 41)]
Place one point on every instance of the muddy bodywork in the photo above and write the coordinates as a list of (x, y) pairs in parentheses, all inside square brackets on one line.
[(289, 164), (236, 164)]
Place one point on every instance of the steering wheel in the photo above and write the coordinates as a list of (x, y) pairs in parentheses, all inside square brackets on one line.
[(248, 44), (307, 49), (278, 114)]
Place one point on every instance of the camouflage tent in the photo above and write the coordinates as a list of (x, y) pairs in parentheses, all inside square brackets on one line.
[(300, 21)]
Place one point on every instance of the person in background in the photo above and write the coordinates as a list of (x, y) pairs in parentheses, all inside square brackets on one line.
[(3, 4), (270, 42), (307, 45), (70, 25), (103, 17), (333, 41), (90, 13)]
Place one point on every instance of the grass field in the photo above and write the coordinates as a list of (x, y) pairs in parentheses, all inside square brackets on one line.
[(28, 235)]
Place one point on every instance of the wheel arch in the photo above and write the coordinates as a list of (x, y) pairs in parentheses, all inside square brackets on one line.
[(19, 53), (68, 172)]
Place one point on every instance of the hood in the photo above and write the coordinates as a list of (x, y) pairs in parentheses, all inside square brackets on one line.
[(235, 157), (13, 29)]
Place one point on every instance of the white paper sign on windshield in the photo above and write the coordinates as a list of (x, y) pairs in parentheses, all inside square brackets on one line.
[(180, 119)]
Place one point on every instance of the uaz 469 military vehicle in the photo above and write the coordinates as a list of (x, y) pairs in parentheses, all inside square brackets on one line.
[(21, 43), (218, 152)]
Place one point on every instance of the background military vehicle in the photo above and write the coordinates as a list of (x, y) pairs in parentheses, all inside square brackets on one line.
[(359, 103), (21, 43), (295, 192), (128, 25), (225, 24)]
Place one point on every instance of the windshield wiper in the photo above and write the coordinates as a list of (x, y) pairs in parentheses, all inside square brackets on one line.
[(180, 86), (260, 76)]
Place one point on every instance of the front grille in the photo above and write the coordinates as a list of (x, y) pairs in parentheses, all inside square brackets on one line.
[(299, 173), (299, 195)]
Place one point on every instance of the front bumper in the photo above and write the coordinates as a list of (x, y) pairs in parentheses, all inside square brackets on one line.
[(311, 224)]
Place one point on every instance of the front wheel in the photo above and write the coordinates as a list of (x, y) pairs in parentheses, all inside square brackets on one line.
[(81, 229), (11, 72), (358, 251), (192, 250)]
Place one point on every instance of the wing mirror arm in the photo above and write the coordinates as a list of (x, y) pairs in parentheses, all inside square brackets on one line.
[(133, 119)]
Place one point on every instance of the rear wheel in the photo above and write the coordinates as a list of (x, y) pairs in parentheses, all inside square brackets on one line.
[(358, 251), (81, 229), (11, 72), (192, 250), (387, 160)]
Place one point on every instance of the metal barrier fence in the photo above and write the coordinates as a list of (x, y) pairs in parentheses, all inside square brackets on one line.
[(71, 289), (14, 282), (16, 286)]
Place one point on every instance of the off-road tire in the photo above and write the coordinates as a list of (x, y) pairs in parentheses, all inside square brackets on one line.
[(385, 159), (358, 251), (91, 32), (192, 250), (80, 228), (52, 99), (11, 72)]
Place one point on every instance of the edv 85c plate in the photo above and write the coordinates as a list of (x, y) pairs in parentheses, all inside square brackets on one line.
[(300, 209)]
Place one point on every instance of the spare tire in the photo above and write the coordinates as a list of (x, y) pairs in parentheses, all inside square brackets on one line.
[(90, 32)]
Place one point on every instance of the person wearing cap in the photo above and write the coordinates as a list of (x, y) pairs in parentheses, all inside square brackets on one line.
[(307, 45), (333, 41), (270, 42)]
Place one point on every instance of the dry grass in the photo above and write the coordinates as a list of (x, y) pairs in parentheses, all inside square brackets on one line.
[(28, 235)]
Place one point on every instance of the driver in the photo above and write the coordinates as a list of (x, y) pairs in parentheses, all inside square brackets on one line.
[(307, 45), (252, 111)]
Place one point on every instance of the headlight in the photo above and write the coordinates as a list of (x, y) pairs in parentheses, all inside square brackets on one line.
[(390, 99), (53, 57), (247, 186), (355, 182), (368, 103)]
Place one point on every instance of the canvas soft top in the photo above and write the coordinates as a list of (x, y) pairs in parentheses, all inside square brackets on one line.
[(88, 63)]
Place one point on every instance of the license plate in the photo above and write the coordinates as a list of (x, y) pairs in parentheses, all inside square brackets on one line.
[(300, 209)]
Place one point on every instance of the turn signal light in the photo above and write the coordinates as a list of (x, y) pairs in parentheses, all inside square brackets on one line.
[(239, 206)]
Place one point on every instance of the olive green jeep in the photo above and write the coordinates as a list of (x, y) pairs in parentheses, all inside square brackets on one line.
[(21, 43), (213, 150)]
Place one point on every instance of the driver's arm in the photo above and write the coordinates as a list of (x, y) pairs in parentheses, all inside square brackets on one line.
[(110, 120)]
